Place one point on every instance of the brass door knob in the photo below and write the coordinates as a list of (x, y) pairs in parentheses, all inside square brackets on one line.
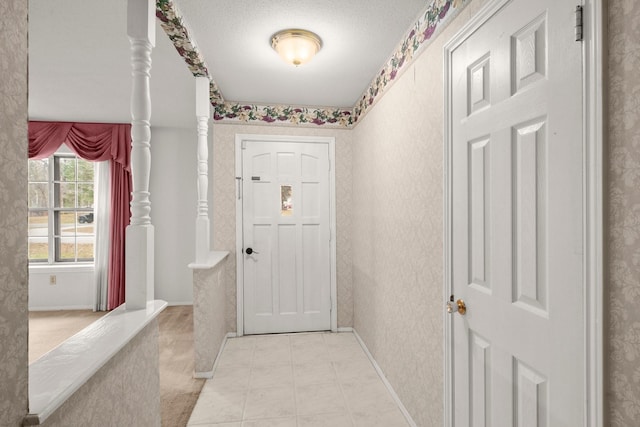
[(456, 306)]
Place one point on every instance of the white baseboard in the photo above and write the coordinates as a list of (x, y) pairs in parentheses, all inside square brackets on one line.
[(345, 329), (173, 303), (209, 374), (90, 307), (384, 379), (62, 307)]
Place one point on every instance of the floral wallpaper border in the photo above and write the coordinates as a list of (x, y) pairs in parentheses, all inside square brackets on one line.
[(422, 31), (173, 24), (283, 114)]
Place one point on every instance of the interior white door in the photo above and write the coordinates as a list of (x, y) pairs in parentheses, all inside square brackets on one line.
[(286, 237), (516, 218)]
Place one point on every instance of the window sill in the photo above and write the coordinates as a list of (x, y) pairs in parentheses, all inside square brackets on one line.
[(61, 268)]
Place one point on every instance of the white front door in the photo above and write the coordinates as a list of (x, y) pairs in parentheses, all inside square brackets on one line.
[(516, 218), (286, 237)]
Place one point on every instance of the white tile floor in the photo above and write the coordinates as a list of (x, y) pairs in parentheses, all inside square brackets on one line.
[(305, 380)]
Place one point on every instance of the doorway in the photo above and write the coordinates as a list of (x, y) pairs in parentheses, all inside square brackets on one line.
[(285, 234), (521, 233)]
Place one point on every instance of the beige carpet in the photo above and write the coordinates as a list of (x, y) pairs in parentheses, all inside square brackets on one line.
[(47, 329), (179, 391)]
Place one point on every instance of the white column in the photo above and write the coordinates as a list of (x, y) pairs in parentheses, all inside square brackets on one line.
[(139, 235), (203, 105)]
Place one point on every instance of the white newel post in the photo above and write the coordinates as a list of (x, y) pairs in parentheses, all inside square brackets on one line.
[(203, 105), (139, 235)]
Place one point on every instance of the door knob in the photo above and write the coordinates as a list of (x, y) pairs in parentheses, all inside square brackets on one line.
[(250, 251), (456, 306)]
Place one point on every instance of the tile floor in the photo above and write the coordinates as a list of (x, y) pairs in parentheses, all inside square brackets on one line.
[(305, 380)]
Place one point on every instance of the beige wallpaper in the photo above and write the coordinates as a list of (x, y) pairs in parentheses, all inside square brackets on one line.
[(224, 215), (209, 320), (13, 204), (397, 217), (124, 392), (623, 282)]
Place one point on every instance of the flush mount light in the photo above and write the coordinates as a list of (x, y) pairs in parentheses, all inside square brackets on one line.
[(296, 46)]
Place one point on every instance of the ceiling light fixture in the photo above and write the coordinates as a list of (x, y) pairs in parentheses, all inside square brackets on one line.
[(296, 46)]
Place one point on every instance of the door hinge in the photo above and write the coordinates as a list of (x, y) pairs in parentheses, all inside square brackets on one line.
[(578, 26)]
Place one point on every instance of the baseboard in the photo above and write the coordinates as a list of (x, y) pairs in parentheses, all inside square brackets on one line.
[(62, 307), (384, 379), (174, 303), (345, 329), (90, 307), (209, 374)]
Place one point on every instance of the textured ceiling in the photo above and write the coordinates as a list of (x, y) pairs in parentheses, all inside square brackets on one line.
[(80, 59), (358, 37)]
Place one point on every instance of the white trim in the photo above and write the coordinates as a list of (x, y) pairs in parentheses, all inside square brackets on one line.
[(63, 152), (206, 375), (239, 240), (62, 307), (331, 143), (61, 268), (594, 19), (178, 303), (332, 225), (209, 374), (593, 91), (386, 382), (345, 329), (213, 258)]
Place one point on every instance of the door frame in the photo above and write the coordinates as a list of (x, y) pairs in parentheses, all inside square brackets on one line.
[(331, 145), (593, 214)]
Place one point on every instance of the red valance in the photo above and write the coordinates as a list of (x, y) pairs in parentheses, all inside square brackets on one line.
[(97, 142)]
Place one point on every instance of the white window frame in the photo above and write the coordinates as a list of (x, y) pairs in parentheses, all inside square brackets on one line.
[(51, 209)]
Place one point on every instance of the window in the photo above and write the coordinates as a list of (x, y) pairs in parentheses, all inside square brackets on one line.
[(61, 216)]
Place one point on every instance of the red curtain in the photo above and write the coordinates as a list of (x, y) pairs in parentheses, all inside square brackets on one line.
[(97, 142)]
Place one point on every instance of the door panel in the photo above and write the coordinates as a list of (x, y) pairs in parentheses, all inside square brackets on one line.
[(286, 224), (260, 273), (480, 379), (517, 219), (312, 276), (287, 283), (529, 178)]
